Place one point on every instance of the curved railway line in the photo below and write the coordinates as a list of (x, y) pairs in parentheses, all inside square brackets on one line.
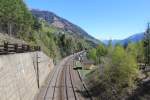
[(64, 83)]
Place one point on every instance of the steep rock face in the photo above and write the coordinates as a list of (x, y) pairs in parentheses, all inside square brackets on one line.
[(58, 23), (63, 24)]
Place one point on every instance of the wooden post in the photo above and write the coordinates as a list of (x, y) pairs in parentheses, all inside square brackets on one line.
[(39, 48), (27, 48), (6, 47), (23, 48), (16, 48)]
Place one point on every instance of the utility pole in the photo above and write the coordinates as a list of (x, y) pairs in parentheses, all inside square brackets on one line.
[(37, 63)]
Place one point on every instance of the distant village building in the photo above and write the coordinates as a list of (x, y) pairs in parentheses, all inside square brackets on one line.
[(88, 64)]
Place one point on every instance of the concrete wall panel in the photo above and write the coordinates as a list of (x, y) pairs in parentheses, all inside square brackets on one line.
[(19, 74)]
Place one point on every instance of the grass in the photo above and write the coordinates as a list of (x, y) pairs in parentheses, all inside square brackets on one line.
[(82, 72)]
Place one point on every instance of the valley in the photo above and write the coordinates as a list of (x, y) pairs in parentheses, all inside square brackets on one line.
[(47, 57)]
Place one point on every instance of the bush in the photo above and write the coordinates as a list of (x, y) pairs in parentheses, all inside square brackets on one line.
[(118, 76)]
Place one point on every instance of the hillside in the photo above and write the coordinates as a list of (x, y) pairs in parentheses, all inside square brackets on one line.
[(56, 36), (63, 24), (133, 38)]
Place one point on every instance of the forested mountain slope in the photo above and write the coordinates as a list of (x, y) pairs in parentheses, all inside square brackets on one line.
[(63, 24), (56, 36)]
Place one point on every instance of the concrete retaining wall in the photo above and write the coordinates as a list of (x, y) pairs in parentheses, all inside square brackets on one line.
[(21, 73)]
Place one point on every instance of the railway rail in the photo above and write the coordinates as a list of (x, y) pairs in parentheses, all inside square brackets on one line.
[(46, 92), (70, 93), (72, 83), (52, 79), (64, 83)]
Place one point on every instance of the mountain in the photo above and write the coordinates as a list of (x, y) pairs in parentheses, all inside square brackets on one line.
[(133, 38), (63, 24)]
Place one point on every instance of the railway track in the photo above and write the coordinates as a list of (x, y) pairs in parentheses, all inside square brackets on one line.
[(67, 90), (52, 84), (64, 83), (68, 81), (85, 88), (72, 83), (49, 84), (55, 86)]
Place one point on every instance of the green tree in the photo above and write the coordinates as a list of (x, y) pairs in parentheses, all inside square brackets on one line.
[(109, 48), (14, 16), (36, 24), (120, 72), (81, 45), (147, 45), (132, 49), (100, 52), (136, 49), (92, 54), (140, 51)]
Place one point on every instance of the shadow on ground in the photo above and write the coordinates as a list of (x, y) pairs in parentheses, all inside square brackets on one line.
[(95, 91), (142, 92)]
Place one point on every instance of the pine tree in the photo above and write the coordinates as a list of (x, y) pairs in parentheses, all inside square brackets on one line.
[(92, 54), (101, 52), (147, 45)]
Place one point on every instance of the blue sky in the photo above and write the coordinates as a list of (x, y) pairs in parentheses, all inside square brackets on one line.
[(103, 19)]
